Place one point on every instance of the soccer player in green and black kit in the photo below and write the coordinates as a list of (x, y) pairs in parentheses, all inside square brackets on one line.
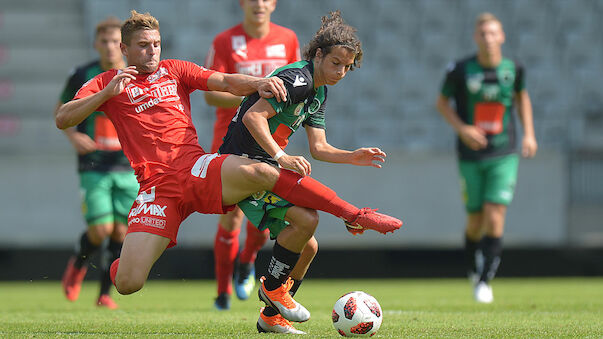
[(107, 181), (261, 129), (485, 88)]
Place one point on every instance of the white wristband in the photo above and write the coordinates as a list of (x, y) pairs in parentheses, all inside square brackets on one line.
[(278, 155)]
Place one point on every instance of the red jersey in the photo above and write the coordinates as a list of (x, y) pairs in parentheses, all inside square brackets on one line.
[(152, 115), (233, 51)]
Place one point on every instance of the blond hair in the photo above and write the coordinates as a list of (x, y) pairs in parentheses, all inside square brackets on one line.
[(135, 22), (486, 17), (109, 23)]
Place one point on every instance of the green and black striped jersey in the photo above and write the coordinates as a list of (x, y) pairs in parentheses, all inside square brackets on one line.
[(484, 98), (108, 156), (304, 106)]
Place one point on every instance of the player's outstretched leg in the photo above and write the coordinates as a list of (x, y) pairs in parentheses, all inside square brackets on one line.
[(242, 177)]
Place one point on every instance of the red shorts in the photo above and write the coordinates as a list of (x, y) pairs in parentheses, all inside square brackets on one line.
[(165, 200)]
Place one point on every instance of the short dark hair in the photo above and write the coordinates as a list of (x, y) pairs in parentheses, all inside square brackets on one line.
[(334, 31)]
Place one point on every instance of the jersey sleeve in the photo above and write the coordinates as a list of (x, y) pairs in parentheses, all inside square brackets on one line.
[(95, 85), (520, 84), (450, 85), (299, 86), (192, 75), (217, 57), (74, 82)]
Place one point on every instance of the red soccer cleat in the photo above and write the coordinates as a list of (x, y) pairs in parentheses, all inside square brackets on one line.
[(72, 280), (369, 219), (105, 300)]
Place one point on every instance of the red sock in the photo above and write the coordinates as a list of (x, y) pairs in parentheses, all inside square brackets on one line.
[(307, 192), (226, 246), (254, 241), (113, 270)]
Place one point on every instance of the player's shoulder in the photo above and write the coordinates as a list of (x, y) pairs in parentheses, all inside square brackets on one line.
[(225, 36), (282, 30), (459, 64), (80, 71), (512, 62)]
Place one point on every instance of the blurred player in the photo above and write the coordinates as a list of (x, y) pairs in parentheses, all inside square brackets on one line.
[(149, 104), (254, 47), (261, 130), (485, 88), (107, 181)]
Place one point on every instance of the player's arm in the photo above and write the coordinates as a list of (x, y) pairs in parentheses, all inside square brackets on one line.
[(323, 151), (75, 111), (240, 84), (470, 135), (529, 146), (82, 143), (256, 122)]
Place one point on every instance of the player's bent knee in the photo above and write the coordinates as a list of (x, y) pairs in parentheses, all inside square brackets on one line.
[(126, 284), (312, 246)]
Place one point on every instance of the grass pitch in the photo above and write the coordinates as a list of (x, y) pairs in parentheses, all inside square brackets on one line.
[(434, 308)]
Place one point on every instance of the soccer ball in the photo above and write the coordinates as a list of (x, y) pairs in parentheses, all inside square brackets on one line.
[(357, 314)]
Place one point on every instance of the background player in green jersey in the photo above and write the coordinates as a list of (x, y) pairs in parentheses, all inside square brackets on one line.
[(485, 88), (261, 130), (107, 181)]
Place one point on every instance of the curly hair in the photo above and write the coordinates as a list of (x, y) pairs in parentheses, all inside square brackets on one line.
[(135, 22), (333, 32)]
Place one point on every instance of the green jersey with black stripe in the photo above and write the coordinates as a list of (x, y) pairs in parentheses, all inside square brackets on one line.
[(305, 106), (484, 98), (108, 156)]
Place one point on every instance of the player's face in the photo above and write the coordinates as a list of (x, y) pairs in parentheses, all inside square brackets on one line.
[(489, 37), (257, 11), (107, 46), (144, 50), (334, 66)]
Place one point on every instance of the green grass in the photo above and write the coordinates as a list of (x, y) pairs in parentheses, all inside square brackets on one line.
[(442, 308)]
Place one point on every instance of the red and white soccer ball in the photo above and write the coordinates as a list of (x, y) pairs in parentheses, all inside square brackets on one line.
[(357, 314)]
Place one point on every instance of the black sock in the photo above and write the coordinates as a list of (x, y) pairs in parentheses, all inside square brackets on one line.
[(471, 247), (492, 250), (269, 311), (84, 251), (280, 266), (112, 252)]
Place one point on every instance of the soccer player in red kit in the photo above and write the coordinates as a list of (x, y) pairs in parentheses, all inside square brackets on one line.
[(149, 105), (254, 47)]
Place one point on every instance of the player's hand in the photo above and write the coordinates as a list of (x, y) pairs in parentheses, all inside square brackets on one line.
[(272, 87), (120, 81), (296, 163), (473, 137), (82, 143), (368, 157), (529, 147)]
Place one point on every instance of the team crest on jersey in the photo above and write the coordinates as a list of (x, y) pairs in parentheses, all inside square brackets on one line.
[(276, 51), (314, 106), (507, 77), (298, 109), (474, 82)]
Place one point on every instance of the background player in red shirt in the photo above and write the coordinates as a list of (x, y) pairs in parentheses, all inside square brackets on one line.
[(149, 104), (254, 47)]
